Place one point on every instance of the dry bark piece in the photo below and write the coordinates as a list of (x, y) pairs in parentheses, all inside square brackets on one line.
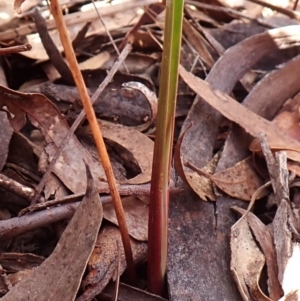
[(6, 132), (59, 276), (103, 262)]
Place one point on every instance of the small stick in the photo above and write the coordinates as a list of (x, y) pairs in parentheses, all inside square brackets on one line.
[(109, 35), (16, 187), (15, 49), (288, 12), (124, 190), (70, 55)]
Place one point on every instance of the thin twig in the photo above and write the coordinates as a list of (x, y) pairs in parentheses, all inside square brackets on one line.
[(70, 55), (16, 187), (109, 35), (15, 49), (288, 12)]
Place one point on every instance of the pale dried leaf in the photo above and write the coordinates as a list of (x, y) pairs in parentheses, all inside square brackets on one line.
[(247, 261), (136, 215)]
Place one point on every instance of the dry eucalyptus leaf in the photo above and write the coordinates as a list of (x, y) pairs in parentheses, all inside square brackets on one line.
[(252, 123), (199, 183), (239, 181), (59, 276), (265, 240), (136, 215), (247, 262), (138, 145), (102, 265), (69, 168)]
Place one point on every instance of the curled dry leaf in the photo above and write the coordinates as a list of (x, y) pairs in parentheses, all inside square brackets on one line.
[(252, 123), (44, 115), (265, 240), (199, 183), (102, 265), (247, 262), (152, 100), (137, 144), (59, 276), (136, 214)]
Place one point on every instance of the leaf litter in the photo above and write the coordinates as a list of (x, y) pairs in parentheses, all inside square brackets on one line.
[(247, 52)]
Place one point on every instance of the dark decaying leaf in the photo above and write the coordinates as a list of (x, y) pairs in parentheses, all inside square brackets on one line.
[(44, 115), (59, 276), (102, 265), (6, 132), (14, 262)]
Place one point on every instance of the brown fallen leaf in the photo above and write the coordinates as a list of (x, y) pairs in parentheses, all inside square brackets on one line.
[(136, 215), (288, 120), (102, 265), (44, 115), (247, 262), (240, 181), (252, 123), (139, 148), (199, 183), (198, 42), (59, 276)]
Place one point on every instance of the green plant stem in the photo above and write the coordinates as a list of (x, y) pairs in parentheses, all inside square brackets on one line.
[(159, 192)]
